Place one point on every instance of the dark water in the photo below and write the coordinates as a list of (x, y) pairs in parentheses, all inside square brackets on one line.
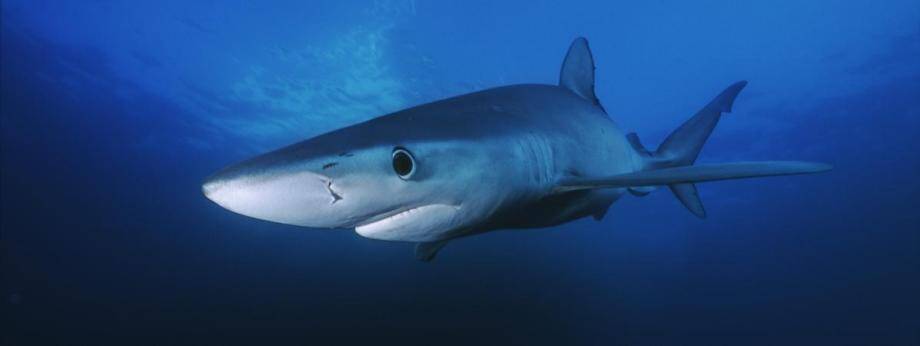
[(113, 112)]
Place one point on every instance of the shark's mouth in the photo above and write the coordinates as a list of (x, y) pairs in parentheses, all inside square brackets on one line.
[(423, 223)]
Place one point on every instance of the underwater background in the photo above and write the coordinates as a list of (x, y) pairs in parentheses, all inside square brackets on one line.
[(113, 112)]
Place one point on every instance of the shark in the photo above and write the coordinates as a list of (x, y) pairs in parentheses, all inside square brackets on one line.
[(512, 157)]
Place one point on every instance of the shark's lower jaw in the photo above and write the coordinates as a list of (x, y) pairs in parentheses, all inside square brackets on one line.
[(429, 222)]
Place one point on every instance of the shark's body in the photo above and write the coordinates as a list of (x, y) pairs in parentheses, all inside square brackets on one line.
[(520, 156)]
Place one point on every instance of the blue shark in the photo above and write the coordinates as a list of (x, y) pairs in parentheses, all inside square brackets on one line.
[(512, 157)]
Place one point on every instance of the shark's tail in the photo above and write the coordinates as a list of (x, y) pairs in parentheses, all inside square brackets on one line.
[(672, 163), (683, 145)]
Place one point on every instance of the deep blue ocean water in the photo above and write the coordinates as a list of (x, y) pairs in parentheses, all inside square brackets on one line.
[(113, 112)]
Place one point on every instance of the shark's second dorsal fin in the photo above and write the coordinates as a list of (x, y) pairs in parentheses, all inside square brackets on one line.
[(577, 72)]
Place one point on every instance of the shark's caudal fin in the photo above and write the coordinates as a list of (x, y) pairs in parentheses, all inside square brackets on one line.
[(577, 72), (671, 164), (683, 146)]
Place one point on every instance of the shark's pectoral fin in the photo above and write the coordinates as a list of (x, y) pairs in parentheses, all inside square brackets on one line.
[(693, 174), (426, 251), (600, 213), (577, 72)]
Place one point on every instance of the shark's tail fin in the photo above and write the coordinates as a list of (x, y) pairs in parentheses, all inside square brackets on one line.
[(671, 164), (682, 147)]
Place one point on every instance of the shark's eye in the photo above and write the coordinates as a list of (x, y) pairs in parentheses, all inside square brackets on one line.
[(403, 163)]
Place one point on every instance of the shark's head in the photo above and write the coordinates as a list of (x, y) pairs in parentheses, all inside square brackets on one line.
[(382, 178)]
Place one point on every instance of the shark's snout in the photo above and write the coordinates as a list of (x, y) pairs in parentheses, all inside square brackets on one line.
[(296, 197)]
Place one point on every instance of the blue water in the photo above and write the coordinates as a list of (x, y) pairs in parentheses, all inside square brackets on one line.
[(114, 111)]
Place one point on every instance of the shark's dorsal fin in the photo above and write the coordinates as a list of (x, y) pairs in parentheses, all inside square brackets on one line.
[(636, 144), (577, 72)]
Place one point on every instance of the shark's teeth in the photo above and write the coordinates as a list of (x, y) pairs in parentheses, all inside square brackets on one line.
[(421, 223)]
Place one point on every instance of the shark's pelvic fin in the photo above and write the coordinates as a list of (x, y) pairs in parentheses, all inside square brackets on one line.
[(577, 72), (642, 191), (425, 252)]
